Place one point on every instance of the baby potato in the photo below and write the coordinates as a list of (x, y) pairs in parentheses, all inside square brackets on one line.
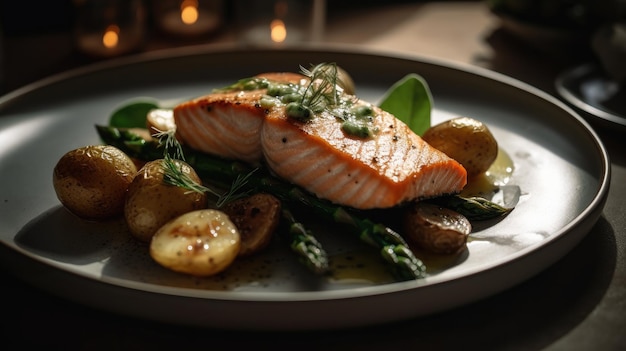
[(199, 243), (256, 217), (92, 181), (466, 140), (435, 229), (160, 120), (346, 81), (151, 202)]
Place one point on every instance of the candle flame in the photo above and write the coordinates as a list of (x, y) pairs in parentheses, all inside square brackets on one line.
[(110, 38), (278, 31), (189, 11)]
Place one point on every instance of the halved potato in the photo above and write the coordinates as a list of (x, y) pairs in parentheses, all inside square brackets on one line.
[(256, 217), (160, 120), (200, 243), (435, 229)]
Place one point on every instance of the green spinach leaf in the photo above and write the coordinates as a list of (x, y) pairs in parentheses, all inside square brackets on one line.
[(132, 115), (410, 100)]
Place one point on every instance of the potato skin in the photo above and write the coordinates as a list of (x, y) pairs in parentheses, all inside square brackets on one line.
[(92, 181), (435, 229), (151, 202), (256, 217), (466, 140), (346, 80)]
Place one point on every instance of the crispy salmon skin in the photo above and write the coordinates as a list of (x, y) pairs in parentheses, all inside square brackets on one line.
[(364, 160)]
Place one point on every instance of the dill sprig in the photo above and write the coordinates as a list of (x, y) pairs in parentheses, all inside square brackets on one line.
[(235, 192), (174, 174), (168, 139), (321, 91)]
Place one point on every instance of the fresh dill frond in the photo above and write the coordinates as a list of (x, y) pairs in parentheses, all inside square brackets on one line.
[(321, 91), (235, 192), (173, 174), (168, 139)]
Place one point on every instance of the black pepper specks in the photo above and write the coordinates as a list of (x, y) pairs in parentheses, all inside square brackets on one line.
[(284, 140)]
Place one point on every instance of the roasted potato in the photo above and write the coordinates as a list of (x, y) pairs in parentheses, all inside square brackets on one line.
[(256, 217), (466, 140), (160, 120), (151, 202), (345, 81), (92, 181), (435, 229), (200, 243)]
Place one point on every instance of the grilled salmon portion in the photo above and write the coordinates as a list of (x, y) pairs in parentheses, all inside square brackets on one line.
[(223, 124), (390, 166), (228, 124)]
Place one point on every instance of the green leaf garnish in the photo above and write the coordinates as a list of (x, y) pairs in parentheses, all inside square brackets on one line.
[(132, 115), (410, 100)]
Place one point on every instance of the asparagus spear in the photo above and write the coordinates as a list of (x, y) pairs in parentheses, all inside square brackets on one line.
[(305, 245), (393, 249), (473, 208)]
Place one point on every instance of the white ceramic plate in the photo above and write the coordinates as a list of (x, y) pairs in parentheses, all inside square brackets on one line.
[(560, 166)]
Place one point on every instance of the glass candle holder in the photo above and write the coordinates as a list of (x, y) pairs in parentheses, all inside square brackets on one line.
[(279, 22), (107, 28), (188, 18)]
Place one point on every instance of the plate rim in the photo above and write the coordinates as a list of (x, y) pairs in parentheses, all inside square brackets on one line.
[(593, 209), (572, 98)]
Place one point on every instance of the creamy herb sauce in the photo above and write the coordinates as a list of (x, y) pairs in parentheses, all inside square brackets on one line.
[(301, 103)]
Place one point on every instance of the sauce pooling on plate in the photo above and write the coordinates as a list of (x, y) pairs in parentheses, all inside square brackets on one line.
[(499, 174)]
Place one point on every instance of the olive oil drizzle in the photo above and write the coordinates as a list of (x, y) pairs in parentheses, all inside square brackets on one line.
[(498, 174)]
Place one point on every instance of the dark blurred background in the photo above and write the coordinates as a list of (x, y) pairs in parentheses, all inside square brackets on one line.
[(37, 37)]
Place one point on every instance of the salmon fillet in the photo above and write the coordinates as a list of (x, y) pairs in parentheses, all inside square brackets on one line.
[(389, 168), (227, 124), (223, 124)]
